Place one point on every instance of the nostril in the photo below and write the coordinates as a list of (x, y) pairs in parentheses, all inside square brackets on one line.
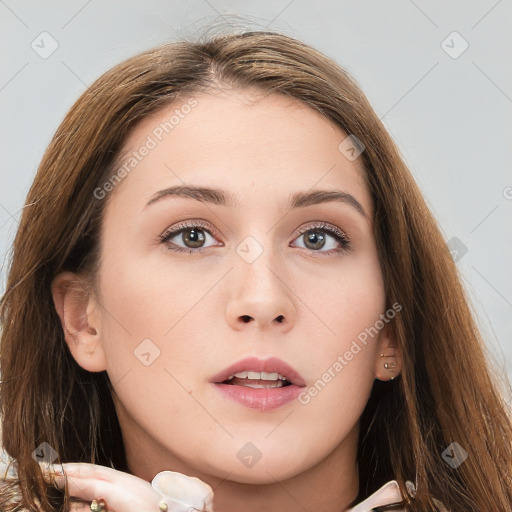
[(246, 318), (280, 318)]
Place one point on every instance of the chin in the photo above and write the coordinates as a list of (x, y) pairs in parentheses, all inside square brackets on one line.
[(263, 474), (271, 466)]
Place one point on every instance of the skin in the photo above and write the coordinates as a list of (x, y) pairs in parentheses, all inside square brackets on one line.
[(259, 148)]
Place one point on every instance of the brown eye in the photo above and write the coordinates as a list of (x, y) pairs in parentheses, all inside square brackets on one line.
[(192, 237), (186, 238), (323, 236), (314, 239)]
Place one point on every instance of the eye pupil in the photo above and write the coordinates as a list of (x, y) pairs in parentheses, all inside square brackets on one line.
[(314, 238), (195, 237)]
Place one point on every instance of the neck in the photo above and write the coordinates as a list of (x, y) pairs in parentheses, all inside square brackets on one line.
[(331, 485)]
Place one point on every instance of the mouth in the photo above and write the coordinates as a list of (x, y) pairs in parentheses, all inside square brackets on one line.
[(257, 373), (258, 380), (261, 384)]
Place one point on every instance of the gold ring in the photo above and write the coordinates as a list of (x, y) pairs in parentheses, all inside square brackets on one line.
[(99, 505)]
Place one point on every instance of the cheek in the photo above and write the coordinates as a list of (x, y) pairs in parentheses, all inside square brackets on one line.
[(347, 300), (154, 307), (151, 336), (147, 294), (348, 309)]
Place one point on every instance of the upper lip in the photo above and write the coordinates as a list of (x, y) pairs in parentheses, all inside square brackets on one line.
[(270, 365)]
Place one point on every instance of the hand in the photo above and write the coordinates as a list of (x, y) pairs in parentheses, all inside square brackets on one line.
[(124, 492), (121, 491)]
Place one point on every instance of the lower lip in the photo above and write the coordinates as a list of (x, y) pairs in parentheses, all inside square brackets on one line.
[(262, 399)]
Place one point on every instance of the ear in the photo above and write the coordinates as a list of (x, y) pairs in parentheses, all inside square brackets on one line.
[(388, 363), (80, 318)]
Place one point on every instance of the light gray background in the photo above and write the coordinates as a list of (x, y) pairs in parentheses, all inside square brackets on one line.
[(451, 117)]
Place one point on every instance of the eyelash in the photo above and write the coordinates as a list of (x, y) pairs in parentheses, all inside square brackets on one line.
[(335, 232)]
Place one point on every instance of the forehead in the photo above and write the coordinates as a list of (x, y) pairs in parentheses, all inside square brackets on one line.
[(244, 141)]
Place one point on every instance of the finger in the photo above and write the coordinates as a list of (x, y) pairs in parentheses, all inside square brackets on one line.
[(121, 491), (84, 471), (80, 507), (117, 499)]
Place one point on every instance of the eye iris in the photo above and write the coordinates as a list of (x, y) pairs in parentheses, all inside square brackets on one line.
[(196, 237), (313, 238)]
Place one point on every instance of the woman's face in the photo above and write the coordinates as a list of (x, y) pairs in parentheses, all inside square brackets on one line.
[(250, 276)]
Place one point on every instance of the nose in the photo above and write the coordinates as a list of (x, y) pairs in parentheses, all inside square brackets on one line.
[(260, 297)]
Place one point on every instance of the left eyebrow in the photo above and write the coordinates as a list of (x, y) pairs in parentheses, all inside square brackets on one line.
[(222, 198)]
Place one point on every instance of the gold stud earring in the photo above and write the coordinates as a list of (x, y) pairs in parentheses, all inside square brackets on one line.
[(389, 366)]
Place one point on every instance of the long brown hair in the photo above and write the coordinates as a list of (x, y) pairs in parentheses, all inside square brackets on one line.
[(445, 392)]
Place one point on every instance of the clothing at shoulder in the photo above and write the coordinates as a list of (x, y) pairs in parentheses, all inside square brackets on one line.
[(7, 469), (389, 493)]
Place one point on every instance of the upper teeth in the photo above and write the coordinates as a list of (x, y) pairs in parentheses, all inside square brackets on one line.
[(258, 376)]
